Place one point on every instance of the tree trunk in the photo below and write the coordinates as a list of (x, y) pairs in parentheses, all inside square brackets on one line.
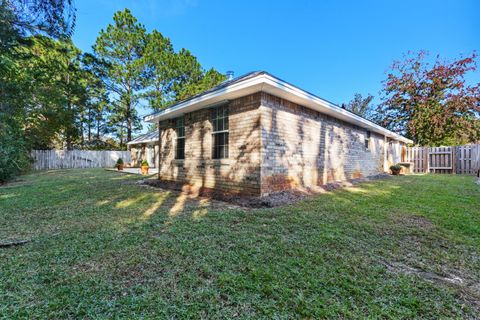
[(81, 132), (68, 135), (129, 118), (129, 130), (98, 129), (89, 124)]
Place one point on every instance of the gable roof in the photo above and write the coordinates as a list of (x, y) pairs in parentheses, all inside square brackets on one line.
[(145, 138), (263, 81)]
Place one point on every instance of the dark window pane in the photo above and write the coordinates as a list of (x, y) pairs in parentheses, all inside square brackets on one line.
[(220, 145), (220, 151), (225, 123), (180, 127), (219, 118), (180, 131), (180, 152)]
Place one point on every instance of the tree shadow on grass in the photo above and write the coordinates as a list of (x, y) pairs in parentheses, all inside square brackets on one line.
[(160, 247)]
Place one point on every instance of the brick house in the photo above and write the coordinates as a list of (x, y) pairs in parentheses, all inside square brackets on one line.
[(258, 134)]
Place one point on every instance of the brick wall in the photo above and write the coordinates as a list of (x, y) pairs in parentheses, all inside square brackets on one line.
[(302, 147), (274, 144), (239, 173)]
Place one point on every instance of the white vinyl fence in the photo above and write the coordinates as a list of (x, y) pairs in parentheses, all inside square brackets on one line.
[(70, 159)]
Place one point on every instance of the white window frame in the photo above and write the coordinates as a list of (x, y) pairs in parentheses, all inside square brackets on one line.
[(226, 147), (182, 118)]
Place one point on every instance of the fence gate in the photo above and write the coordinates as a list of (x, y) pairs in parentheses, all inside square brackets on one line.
[(440, 160)]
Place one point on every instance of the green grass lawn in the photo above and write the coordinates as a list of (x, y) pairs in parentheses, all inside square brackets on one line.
[(106, 247)]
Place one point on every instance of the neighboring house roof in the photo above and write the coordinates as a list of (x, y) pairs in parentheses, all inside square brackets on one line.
[(145, 138), (263, 81)]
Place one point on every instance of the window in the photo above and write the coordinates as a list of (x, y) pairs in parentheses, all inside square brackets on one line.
[(220, 132), (367, 139), (180, 130)]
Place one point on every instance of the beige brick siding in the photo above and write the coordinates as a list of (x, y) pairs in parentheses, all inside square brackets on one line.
[(239, 173), (274, 144), (302, 147)]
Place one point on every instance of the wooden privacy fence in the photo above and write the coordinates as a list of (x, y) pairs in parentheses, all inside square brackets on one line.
[(459, 159), (71, 159)]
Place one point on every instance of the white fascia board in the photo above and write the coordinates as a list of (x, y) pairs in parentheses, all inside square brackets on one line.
[(233, 91), (301, 97), (277, 87), (142, 141)]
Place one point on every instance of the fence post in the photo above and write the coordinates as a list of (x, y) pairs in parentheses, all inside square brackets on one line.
[(427, 164), (454, 160)]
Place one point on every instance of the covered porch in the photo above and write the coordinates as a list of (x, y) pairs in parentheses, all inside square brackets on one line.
[(144, 147)]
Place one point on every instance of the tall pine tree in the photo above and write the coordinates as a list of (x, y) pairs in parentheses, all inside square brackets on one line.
[(121, 47)]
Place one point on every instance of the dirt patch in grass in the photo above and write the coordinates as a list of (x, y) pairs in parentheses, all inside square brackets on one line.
[(14, 183), (469, 288), (272, 200), (409, 220)]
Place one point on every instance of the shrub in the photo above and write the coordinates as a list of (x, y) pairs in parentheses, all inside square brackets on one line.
[(14, 155), (396, 167), (144, 163)]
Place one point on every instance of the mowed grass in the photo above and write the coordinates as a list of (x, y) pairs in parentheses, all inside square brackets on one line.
[(106, 247)]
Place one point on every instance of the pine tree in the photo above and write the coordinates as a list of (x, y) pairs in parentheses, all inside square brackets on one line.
[(121, 47)]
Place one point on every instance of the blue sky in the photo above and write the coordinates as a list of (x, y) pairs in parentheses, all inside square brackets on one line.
[(330, 48)]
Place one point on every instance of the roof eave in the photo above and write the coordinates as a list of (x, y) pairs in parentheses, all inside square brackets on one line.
[(221, 95), (267, 83), (141, 141), (309, 100)]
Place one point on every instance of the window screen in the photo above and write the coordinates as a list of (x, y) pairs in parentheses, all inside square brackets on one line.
[(367, 139), (180, 130), (220, 132)]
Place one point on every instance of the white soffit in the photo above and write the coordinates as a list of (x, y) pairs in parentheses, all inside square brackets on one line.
[(141, 141)]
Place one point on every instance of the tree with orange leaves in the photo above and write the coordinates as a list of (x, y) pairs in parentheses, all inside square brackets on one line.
[(432, 104)]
